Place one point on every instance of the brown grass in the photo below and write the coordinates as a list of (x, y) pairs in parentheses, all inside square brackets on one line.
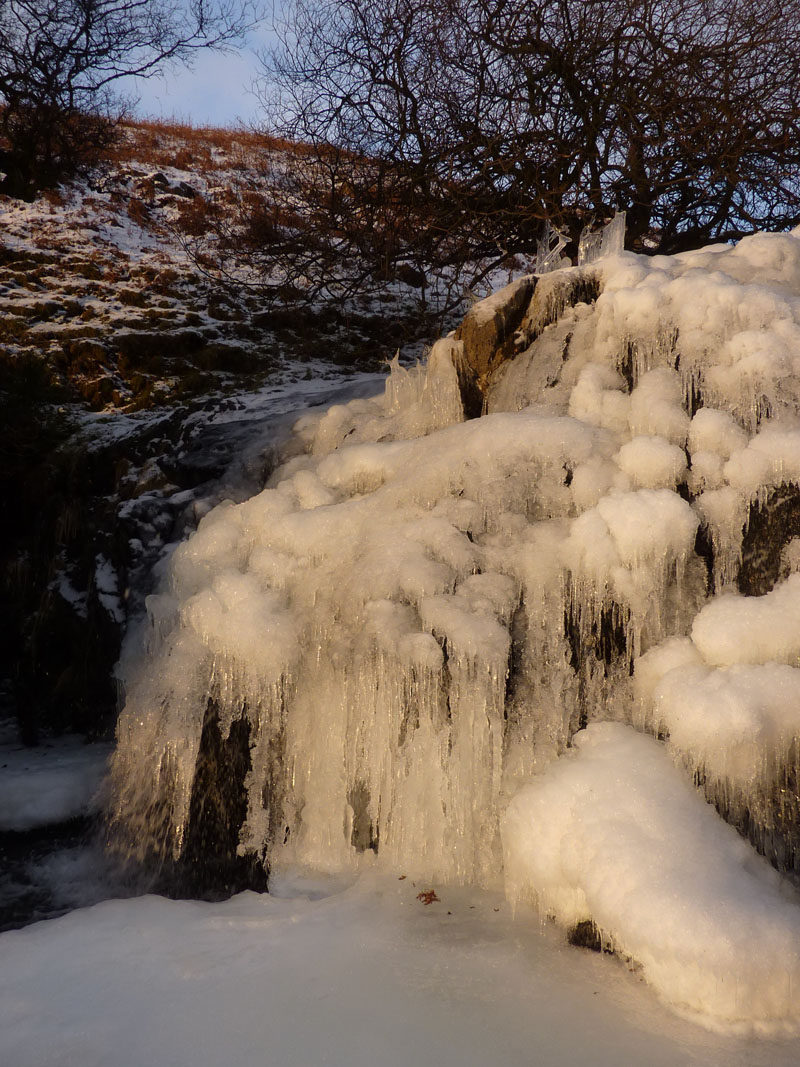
[(180, 144)]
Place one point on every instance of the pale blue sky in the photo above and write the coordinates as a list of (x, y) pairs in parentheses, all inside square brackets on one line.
[(215, 92)]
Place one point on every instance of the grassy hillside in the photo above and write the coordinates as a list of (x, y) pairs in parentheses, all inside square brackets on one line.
[(109, 284)]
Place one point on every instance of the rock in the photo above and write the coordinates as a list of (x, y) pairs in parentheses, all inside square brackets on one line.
[(771, 525), (85, 348), (210, 865), (490, 323), (586, 935), (497, 329), (136, 344), (554, 293), (185, 190), (226, 356), (132, 297)]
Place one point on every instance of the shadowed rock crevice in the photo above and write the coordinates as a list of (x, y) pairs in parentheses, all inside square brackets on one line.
[(210, 866), (770, 527)]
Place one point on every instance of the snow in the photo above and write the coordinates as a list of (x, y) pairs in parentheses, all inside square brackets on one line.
[(107, 585), (656, 406), (737, 722), (728, 699), (615, 834), (738, 629), (315, 974), (56, 781), (652, 462), (623, 542), (733, 310)]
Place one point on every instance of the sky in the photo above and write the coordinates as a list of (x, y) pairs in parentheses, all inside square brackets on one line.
[(215, 91)]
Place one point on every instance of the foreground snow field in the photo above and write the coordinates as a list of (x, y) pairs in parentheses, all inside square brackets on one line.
[(49, 784), (366, 976)]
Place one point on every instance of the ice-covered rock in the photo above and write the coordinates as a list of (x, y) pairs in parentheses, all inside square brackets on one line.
[(489, 323), (613, 833)]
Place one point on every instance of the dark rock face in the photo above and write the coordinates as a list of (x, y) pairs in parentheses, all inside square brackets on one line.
[(770, 527), (83, 511), (55, 652), (586, 935), (209, 866)]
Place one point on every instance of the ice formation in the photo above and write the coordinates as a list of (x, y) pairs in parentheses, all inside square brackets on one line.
[(419, 611), (615, 834)]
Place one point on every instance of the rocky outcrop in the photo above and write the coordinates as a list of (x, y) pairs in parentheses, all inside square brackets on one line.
[(490, 323), (497, 329), (487, 338)]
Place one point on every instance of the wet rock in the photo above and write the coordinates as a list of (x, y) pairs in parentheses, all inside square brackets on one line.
[(586, 935), (771, 526), (210, 866), (490, 323)]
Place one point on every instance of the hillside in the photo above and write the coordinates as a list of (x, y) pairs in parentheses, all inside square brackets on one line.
[(131, 371), (97, 278)]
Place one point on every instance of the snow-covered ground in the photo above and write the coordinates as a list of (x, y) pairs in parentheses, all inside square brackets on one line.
[(51, 783), (366, 976)]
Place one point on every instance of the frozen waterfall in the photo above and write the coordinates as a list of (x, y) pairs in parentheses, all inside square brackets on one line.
[(406, 650)]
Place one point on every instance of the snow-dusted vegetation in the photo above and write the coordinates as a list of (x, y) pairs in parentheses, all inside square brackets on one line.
[(101, 284)]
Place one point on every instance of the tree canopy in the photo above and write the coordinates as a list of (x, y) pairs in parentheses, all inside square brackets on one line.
[(484, 118)]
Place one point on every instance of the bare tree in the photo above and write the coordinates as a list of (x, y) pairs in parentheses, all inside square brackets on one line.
[(61, 62), (484, 118)]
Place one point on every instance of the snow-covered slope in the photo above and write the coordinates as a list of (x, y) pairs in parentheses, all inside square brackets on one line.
[(99, 279)]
